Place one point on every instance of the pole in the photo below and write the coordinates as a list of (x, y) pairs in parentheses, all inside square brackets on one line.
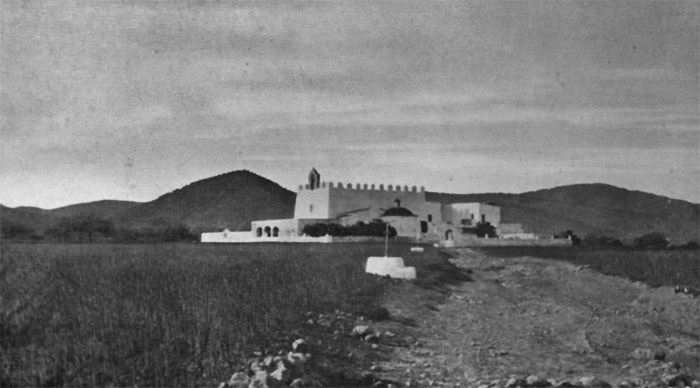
[(386, 240)]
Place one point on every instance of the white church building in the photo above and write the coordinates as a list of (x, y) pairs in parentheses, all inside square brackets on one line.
[(403, 207)]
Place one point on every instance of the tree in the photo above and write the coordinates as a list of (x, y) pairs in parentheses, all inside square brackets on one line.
[(690, 245), (653, 240), (592, 240), (569, 234), (485, 229)]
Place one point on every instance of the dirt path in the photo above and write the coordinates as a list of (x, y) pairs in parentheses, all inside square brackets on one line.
[(528, 316)]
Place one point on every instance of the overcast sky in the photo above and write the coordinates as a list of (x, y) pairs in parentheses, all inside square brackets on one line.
[(124, 100)]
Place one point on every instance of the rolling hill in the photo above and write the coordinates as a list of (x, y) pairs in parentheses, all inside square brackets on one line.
[(234, 199), (230, 200), (591, 209)]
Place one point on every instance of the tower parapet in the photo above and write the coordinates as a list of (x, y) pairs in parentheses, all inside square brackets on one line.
[(361, 187)]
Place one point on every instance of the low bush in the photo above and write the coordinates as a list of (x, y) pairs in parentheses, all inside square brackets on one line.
[(374, 228)]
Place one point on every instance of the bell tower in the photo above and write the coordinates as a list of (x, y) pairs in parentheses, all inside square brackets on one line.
[(314, 179)]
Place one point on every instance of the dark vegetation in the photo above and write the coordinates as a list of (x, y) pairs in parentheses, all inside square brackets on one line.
[(88, 228), (654, 267), (482, 229), (179, 314), (377, 228)]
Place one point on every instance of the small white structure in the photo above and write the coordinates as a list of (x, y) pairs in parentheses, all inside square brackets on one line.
[(391, 266)]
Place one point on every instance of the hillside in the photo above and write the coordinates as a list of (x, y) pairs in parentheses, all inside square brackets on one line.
[(230, 200), (234, 199), (37, 219), (109, 209), (591, 208)]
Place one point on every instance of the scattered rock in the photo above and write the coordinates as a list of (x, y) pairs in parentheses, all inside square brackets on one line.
[(649, 354), (305, 381), (259, 380), (300, 346), (593, 382), (680, 380), (361, 331), (281, 374), (536, 382), (625, 384), (239, 380), (513, 382)]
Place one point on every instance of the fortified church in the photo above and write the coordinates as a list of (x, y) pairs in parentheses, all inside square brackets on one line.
[(404, 208)]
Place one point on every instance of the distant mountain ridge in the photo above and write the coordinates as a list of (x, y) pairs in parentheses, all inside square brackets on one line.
[(594, 208), (232, 200)]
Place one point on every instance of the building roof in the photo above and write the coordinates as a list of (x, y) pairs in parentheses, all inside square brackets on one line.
[(398, 211)]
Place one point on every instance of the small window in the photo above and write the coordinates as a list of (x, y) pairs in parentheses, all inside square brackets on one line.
[(311, 208), (483, 218), (430, 218), (423, 227), (472, 216)]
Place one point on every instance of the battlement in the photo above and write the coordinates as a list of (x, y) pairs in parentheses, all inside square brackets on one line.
[(364, 187)]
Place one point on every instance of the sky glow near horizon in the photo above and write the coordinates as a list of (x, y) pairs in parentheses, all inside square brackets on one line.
[(130, 100)]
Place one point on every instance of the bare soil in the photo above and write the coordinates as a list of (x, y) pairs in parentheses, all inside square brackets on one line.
[(528, 316)]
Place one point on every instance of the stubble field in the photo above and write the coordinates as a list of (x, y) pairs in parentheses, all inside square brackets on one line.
[(173, 314)]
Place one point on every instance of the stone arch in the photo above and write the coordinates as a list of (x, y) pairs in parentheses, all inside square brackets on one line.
[(258, 232), (268, 231), (449, 235), (275, 232)]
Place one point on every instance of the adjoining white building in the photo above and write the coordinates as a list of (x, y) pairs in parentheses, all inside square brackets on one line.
[(346, 204)]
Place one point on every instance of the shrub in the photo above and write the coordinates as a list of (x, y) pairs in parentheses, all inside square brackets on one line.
[(593, 240), (569, 234), (653, 240), (375, 228)]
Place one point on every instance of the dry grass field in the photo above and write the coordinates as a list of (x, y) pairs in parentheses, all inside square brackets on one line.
[(653, 267), (174, 314)]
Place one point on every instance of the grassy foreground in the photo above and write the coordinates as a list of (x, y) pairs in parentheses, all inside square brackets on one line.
[(172, 314), (654, 267)]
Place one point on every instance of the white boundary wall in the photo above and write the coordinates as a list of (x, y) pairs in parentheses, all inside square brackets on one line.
[(248, 237)]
